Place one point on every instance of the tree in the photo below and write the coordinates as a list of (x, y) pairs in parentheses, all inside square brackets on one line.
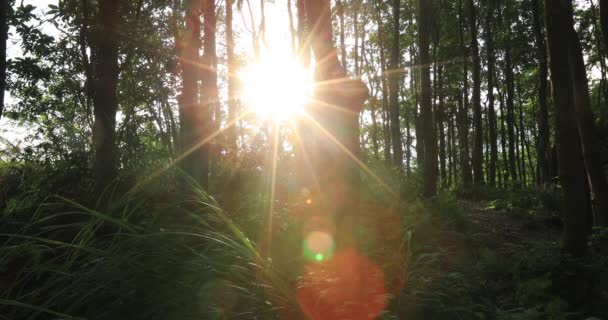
[(105, 99), (4, 9), (477, 158), (193, 118), (393, 89), (567, 138), (338, 174), (604, 19), (492, 127), (429, 165), (510, 95), (543, 148), (232, 94), (586, 127), (463, 109)]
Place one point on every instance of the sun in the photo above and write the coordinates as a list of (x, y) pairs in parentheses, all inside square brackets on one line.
[(275, 87)]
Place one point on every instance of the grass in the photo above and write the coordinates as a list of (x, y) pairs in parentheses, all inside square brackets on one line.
[(153, 254)]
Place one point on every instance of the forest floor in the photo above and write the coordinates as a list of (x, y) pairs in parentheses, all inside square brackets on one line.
[(514, 281), (511, 227)]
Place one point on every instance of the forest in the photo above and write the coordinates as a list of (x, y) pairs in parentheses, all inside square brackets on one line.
[(304, 159)]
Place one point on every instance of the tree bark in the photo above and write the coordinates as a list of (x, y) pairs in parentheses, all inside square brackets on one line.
[(340, 11), (491, 111), (586, 127), (543, 149), (477, 158), (429, 165), (567, 138), (4, 9), (232, 69), (463, 110), (194, 117), (336, 131), (105, 101), (440, 112), (604, 20), (510, 109), (394, 77)]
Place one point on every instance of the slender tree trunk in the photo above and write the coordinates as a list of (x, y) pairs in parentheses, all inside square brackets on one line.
[(340, 11), (440, 112), (356, 6), (394, 77), (303, 43), (292, 28), (193, 118), (589, 140), (463, 113), (522, 139), (209, 98), (567, 138), (430, 171), (4, 9), (604, 20), (106, 100), (491, 111), (543, 115), (374, 131), (503, 141), (477, 159), (385, 104), (510, 109), (232, 97), (451, 148)]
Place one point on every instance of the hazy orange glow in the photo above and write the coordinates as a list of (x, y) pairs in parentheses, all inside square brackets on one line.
[(347, 286)]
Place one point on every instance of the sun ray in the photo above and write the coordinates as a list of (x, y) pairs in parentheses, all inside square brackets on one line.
[(304, 153), (190, 150), (273, 184), (360, 163)]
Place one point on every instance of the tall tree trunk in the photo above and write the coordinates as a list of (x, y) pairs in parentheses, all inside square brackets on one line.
[(338, 174), (394, 77), (584, 116), (604, 20), (292, 29), (356, 6), (543, 149), (510, 108), (463, 112), (522, 139), (4, 9), (209, 98), (451, 148), (303, 43), (232, 98), (440, 112), (503, 141), (105, 101), (491, 111), (567, 138), (340, 11), (385, 105), (193, 117), (429, 164), (477, 159)]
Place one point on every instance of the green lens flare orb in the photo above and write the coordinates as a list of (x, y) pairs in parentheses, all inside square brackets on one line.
[(318, 246)]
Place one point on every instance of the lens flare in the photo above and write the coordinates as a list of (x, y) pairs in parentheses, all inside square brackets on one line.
[(318, 246)]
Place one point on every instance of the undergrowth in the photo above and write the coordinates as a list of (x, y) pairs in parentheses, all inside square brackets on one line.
[(165, 252)]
